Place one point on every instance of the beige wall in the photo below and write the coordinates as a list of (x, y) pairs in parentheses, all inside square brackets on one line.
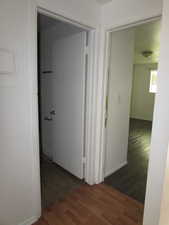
[(142, 101), (117, 13), (160, 136), (19, 167)]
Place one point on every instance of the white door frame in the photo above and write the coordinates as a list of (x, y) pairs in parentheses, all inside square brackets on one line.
[(100, 164), (90, 95), (87, 134)]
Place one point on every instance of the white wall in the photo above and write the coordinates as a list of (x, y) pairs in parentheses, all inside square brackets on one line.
[(160, 137), (19, 174), (142, 101), (117, 13), (164, 218), (17, 192), (85, 12)]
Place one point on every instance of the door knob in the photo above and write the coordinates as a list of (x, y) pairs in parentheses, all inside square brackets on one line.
[(52, 112), (48, 118)]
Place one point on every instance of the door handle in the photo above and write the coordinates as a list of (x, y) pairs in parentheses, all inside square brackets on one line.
[(52, 112), (48, 118)]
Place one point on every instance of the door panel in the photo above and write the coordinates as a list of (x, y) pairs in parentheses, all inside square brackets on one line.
[(119, 94), (45, 94), (68, 101), (46, 106), (66, 94)]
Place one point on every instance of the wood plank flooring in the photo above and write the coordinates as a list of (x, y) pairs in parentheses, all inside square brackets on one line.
[(55, 182), (94, 205), (131, 179)]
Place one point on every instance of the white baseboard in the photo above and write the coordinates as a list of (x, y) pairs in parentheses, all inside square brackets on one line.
[(113, 170), (30, 221)]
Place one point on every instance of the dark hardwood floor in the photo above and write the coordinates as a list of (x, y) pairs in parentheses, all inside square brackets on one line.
[(132, 178), (55, 182), (94, 205)]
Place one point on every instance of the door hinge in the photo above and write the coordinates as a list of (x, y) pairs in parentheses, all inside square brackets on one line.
[(84, 160), (106, 111), (105, 123), (86, 50)]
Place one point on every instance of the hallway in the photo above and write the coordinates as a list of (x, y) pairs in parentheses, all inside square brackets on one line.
[(94, 205), (131, 179)]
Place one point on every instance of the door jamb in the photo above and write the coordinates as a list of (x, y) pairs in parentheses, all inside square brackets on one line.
[(88, 174)]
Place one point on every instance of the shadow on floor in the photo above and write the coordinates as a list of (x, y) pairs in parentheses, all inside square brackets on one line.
[(55, 182), (132, 178)]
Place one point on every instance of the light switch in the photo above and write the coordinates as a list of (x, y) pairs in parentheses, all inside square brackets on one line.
[(6, 62)]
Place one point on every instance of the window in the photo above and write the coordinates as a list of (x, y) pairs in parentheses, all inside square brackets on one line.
[(153, 81)]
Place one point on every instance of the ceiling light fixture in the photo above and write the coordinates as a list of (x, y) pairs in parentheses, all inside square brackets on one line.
[(147, 53)]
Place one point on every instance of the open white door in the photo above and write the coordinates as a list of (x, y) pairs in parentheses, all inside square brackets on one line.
[(119, 93), (66, 92)]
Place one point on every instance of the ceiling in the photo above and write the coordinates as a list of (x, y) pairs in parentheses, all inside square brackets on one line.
[(103, 1), (147, 38)]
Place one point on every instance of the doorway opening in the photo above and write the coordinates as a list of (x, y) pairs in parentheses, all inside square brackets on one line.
[(62, 84), (132, 85)]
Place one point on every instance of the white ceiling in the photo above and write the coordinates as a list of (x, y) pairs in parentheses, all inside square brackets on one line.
[(147, 37), (103, 1)]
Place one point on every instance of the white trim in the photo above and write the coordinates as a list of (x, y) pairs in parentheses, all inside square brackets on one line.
[(100, 107), (113, 170), (36, 192), (30, 221), (85, 74), (54, 15), (134, 24), (90, 108)]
